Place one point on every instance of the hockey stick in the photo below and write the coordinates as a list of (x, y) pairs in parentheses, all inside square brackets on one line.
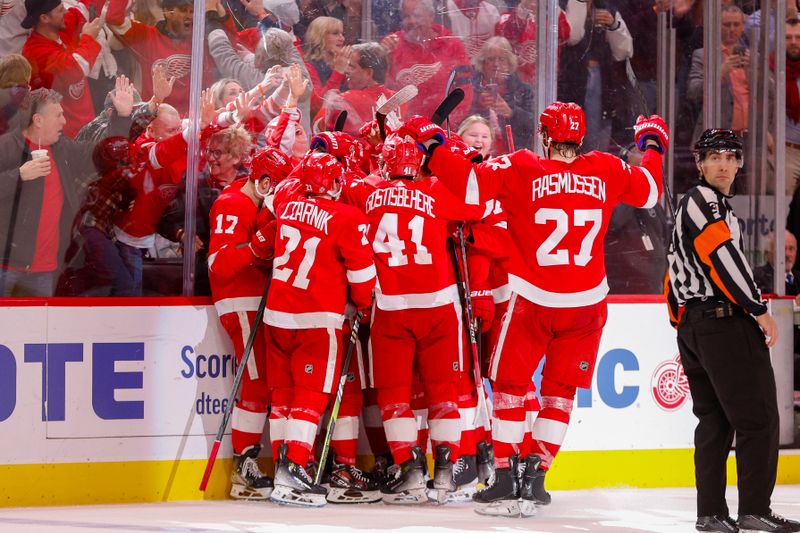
[(340, 120), (235, 388), (405, 94), (450, 80), (510, 138), (447, 106), (326, 444), (462, 283)]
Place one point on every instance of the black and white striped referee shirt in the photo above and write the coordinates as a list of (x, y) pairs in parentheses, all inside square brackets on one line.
[(706, 259)]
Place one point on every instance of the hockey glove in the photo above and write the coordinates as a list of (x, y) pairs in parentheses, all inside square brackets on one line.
[(483, 308), (457, 145), (653, 128), (262, 245), (421, 130)]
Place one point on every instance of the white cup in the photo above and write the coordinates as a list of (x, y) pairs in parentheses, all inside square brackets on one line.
[(36, 154)]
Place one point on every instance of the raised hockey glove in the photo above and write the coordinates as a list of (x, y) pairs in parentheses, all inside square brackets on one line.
[(263, 242), (483, 308), (457, 145), (421, 130), (653, 128)]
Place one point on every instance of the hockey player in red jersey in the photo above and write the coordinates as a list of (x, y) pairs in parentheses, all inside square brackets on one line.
[(558, 211), (236, 288), (417, 318), (321, 251)]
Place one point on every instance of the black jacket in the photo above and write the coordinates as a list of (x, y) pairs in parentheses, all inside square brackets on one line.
[(23, 200), (519, 97)]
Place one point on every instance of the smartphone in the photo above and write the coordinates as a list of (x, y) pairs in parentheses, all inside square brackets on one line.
[(739, 50)]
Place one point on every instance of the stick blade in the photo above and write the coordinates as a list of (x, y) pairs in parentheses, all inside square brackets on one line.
[(340, 120), (403, 95), (447, 106)]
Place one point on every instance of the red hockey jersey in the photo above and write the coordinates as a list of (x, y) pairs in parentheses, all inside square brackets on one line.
[(558, 214), (321, 247), (408, 230), (236, 284)]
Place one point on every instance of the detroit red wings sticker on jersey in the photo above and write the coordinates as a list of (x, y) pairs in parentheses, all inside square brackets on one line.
[(558, 214), (321, 246)]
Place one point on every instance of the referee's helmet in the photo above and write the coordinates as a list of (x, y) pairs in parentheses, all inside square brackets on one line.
[(718, 140)]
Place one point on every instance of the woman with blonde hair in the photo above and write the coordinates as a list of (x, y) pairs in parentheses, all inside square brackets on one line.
[(326, 57), (15, 76), (501, 96), (225, 91)]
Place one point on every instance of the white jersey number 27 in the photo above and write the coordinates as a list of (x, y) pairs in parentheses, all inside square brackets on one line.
[(549, 254)]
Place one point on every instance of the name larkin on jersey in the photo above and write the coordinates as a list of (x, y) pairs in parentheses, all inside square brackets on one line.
[(308, 213), (401, 197), (567, 182)]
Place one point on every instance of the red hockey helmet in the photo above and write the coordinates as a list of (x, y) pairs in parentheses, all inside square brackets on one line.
[(400, 157), (110, 154), (270, 162), (321, 173), (562, 123), (336, 143)]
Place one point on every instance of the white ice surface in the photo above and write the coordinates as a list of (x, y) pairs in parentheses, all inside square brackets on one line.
[(606, 510)]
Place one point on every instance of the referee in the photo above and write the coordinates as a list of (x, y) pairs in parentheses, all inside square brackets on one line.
[(724, 336)]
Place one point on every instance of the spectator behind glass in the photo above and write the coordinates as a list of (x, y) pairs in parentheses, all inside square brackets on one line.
[(424, 54), (15, 76), (366, 75), (326, 57), (227, 153), (62, 49), (472, 21), (38, 195), (501, 96), (792, 103), (159, 156), (476, 132), (167, 43), (735, 86), (225, 91)]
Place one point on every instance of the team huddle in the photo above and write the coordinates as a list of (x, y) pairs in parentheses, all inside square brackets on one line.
[(454, 269)]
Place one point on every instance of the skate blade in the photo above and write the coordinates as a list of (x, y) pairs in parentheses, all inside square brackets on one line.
[(289, 496), (242, 492), (506, 508), (340, 495), (527, 508), (407, 497)]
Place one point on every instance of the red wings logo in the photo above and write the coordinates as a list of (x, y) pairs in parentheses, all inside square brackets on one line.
[(418, 74), (526, 52), (177, 65), (76, 89), (669, 385), (6, 6)]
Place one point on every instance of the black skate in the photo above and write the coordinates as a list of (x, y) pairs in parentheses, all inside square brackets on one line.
[(717, 523), (501, 496), (380, 471), (293, 484), (485, 459), (465, 477), (532, 491), (248, 482), (767, 522), (443, 482), (348, 484), (407, 487)]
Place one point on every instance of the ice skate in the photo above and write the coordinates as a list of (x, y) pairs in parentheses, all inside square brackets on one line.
[(532, 484), (443, 482), (293, 484), (248, 482), (465, 477), (501, 496), (348, 484), (485, 460), (407, 487), (767, 522), (381, 470)]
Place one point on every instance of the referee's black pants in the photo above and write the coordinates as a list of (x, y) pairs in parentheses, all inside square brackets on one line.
[(733, 389)]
